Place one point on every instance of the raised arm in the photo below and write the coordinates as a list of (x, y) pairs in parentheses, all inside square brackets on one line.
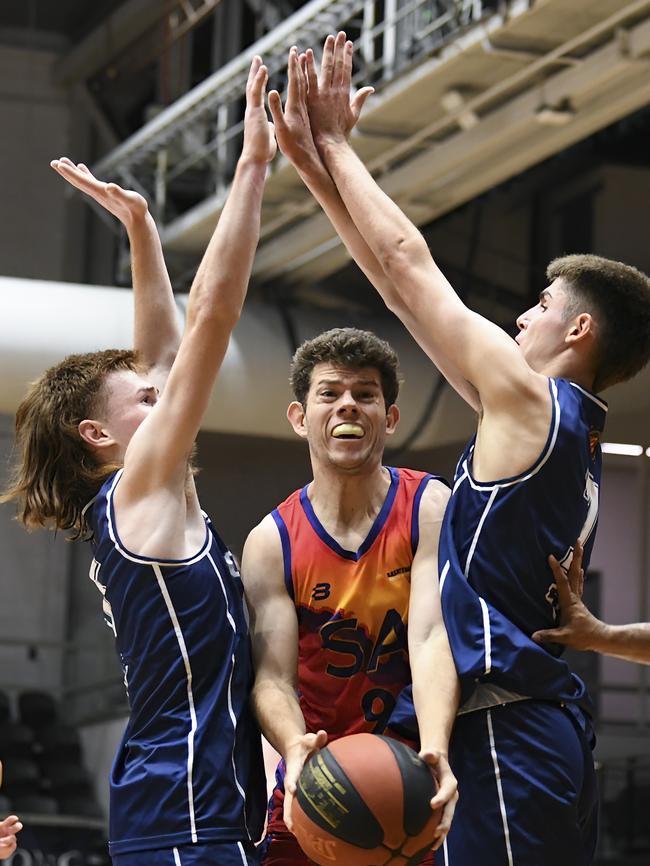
[(295, 140), (435, 684), (422, 297), (158, 451), (274, 635), (156, 330), (581, 630)]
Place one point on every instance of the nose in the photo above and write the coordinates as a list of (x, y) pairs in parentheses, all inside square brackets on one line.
[(522, 321), (347, 404)]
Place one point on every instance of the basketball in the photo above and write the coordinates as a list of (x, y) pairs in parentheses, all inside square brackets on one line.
[(365, 801)]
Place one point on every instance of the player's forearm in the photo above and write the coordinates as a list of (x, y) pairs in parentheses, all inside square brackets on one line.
[(318, 181), (156, 329), (629, 642), (278, 713), (221, 281), (392, 237), (436, 691)]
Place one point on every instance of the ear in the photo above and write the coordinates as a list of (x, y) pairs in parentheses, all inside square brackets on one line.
[(94, 434), (582, 327), (296, 416), (392, 419)]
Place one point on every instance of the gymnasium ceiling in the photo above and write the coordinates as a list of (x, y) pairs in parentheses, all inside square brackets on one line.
[(552, 90)]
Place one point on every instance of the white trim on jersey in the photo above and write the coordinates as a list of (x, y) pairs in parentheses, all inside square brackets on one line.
[(542, 459), (107, 610), (142, 560), (177, 858), (233, 718), (190, 697), (243, 853), (479, 527), (487, 635), (497, 775), (443, 576), (592, 397), (461, 478)]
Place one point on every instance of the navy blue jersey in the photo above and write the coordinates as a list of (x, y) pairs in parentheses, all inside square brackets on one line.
[(189, 768), (495, 582)]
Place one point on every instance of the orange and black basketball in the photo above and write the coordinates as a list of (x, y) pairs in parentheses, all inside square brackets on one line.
[(365, 801)]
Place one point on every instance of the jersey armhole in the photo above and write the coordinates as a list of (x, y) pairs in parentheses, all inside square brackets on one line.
[(286, 551), (415, 511)]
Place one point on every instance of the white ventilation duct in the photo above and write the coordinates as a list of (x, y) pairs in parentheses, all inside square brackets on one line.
[(42, 322)]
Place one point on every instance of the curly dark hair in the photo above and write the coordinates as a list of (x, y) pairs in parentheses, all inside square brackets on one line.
[(618, 297), (347, 347)]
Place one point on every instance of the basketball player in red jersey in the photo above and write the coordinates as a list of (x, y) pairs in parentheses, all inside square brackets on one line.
[(336, 572)]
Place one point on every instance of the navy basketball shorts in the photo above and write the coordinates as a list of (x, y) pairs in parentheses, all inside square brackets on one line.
[(527, 788), (213, 854)]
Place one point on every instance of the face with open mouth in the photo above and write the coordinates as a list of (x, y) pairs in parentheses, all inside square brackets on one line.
[(345, 420)]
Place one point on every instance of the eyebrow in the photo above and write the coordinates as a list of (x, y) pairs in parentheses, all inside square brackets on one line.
[(148, 389), (545, 293), (356, 382)]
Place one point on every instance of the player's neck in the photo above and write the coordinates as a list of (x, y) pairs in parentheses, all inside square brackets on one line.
[(343, 502), (581, 374)]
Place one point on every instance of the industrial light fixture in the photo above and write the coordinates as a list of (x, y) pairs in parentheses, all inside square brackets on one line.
[(624, 449)]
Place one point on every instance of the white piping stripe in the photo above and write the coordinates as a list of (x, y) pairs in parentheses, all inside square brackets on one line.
[(225, 594), (598, 402), (497, 774), (234, 725), (446, 852), (177, 858), (461, 478), (490, 501), (141, 560), (443, 576), (487, 635), (243, 853), (230, 709), (190, 697), (477, 485)]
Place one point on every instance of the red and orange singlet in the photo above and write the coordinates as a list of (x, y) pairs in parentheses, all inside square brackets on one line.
[(352, 609)]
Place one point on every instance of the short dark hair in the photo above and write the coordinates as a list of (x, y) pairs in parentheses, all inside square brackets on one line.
[(347, 347), (618, 297)]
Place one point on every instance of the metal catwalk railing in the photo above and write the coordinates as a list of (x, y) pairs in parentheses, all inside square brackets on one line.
[(188, 151)]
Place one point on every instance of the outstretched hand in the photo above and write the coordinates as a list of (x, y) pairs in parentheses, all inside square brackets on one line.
[(577, 625), (126, 205), (332, 113), (259, 138), (297, 754), (447, 794), (292, 128)]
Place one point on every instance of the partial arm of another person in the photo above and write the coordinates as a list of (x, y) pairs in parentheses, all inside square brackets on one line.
[(420, 294), (157, 454), (8, 830), (436, 691), (274, 635), (156, 330), (581, 630), (295, 140)]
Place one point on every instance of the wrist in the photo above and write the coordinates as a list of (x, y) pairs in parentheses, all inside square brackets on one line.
[(252, 162), (602, 635)]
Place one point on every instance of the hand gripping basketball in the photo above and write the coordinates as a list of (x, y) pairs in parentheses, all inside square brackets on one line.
[(365, 800)]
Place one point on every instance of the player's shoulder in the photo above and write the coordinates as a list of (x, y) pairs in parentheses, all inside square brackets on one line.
[(435, 497), (421, 480), (262, 567)]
